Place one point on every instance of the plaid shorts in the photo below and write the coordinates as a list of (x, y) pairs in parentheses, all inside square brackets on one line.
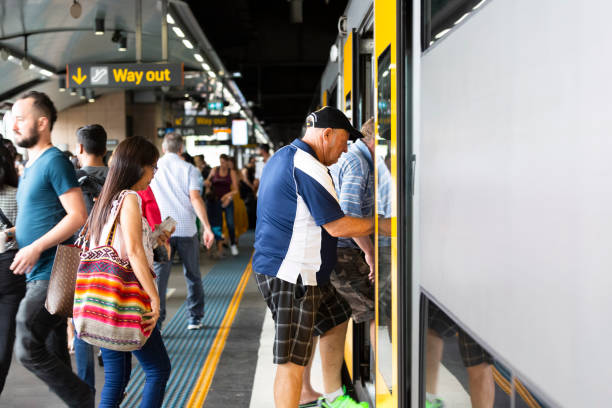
[(300, 312), (350, 278), (472, 353)]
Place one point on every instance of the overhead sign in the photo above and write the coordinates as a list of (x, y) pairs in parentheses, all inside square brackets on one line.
[(123, 75), (216, 121)]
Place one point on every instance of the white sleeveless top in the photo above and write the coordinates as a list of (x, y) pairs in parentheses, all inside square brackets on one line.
[(118, 242)]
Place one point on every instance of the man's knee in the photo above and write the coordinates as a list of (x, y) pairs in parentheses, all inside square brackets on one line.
[(479, 371)]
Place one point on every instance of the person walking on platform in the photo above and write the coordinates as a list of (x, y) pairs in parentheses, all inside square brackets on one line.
[(12, 287), (223, 183), (298, 221), (176, 186), (50, 210), (131, 170), (90, 151)]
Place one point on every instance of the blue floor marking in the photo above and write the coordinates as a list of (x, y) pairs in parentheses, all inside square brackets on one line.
[(188, 349)]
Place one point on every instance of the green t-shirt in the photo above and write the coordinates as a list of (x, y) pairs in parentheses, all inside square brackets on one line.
[(40, 209)]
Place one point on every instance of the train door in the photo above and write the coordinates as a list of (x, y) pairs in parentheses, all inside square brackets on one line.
[(358, 104), (393, 206)]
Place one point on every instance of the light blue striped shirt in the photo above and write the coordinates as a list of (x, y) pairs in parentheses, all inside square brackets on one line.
[(173, 181), (383, 197), (353, 177)]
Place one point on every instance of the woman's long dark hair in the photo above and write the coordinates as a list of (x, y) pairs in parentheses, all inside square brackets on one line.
[(126, 168), (8, 174)]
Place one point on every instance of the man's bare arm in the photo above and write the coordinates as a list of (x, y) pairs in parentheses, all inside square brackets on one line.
[(350, 227), (76, 215)]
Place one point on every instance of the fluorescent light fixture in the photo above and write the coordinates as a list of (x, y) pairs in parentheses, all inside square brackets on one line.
[(73, 91), (99, 26), (204, 65), (479, 4), (188, 44), (46, 73), (462, 18), (212, 74), (385, 73), (198, 57), (123, 44), (169, 19), (34, 67), (179, 33), (186, 95), (442, 33)]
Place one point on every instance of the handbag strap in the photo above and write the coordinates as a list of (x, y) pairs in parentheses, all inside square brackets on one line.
[(113, 230), (5, 220)]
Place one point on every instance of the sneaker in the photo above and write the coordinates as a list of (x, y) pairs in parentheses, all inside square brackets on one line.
[(343, 401), (435, 403), (234, 250), (194, 324)]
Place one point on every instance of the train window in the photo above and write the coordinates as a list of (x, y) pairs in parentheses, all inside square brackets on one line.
[(440, 16), (384, 95)]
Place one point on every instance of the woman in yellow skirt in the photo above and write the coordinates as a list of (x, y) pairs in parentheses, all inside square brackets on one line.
[(241, 219)]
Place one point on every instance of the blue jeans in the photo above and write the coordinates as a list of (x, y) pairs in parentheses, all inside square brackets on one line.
[(189, 251), (41, 346), (84, 357), (154, 361), (215, 217)]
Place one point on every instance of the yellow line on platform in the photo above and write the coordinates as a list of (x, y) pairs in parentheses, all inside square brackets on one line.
[(200, 390)]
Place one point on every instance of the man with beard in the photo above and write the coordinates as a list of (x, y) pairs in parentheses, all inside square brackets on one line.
[(50, 210)]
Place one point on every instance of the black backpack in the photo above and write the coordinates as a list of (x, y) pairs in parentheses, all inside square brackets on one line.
[(91, 186)]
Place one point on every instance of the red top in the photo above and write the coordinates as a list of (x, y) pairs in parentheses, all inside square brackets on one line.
[(150, 210)]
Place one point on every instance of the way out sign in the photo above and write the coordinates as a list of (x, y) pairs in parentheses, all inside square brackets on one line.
[(123, 75)]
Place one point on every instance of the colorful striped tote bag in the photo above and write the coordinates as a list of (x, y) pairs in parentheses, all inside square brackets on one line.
[(109, 301)]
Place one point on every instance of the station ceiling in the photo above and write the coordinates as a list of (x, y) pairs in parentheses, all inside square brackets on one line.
[(281, 61), (279, 58)]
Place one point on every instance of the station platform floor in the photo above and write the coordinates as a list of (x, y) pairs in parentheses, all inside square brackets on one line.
[(226, 364)]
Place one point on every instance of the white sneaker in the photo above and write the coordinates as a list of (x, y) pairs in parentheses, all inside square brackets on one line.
[(234, 250)]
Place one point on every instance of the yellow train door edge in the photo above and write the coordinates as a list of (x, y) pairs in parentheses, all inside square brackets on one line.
[(385, 36)]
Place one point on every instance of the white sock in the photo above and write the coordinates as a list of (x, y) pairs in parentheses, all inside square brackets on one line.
[(331, 397)]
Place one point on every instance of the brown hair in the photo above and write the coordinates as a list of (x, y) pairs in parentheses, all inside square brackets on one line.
[(126, 168)]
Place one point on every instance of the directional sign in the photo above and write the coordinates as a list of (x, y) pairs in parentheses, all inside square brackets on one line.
[(123, 75)]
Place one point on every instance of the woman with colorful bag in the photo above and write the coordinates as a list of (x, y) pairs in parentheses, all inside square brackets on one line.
[(116, 300)]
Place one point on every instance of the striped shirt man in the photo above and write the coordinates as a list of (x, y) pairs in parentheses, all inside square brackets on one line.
[(353, 177)]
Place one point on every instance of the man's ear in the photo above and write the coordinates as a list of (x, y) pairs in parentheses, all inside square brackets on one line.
[(80, 149), (43, 122)]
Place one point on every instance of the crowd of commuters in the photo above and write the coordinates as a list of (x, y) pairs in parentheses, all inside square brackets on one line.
[(312, 204)]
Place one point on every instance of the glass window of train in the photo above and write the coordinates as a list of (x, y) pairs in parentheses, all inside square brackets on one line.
[(384, 197), (384, 95), (459, 372), (438, 17)]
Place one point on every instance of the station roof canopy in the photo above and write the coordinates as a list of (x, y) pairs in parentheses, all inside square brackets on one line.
[(38, 38)]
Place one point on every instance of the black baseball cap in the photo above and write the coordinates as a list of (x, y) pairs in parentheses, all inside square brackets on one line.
[(328, 117)]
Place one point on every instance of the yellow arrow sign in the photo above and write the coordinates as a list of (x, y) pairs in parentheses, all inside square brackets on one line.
[(80, 78)]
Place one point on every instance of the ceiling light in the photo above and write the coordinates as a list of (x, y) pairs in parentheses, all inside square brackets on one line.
[(462, 18), (478, 5), (82, 93), (75, 9), (186, 95), (99, 26), (188, 44), (169, 19), (90, 95), (46, 73), (212, 74), (442, 33), (62, 84), (237, 74), (206, 66), (198, 57), (178, 32), (123, 44), (73, 92)]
